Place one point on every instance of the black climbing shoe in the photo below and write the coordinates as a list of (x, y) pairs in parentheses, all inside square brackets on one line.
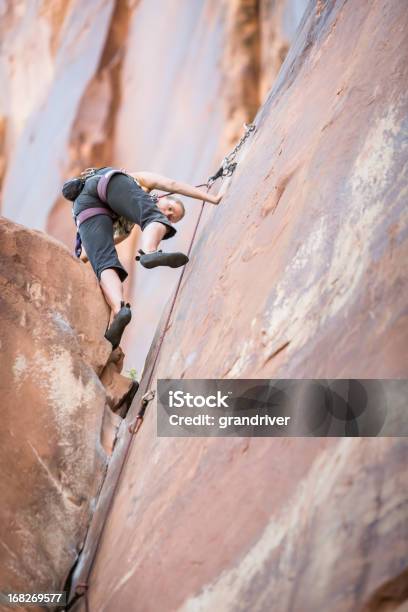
[(117, 327), (158, 258)]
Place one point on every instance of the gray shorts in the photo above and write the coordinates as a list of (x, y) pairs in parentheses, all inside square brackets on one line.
[(126, 199)]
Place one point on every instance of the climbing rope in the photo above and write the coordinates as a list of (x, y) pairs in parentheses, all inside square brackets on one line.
[(227, 168)]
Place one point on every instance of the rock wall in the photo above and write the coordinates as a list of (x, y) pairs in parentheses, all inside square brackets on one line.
[(211, 81), (298, 273), (151, 85), (52, 357)]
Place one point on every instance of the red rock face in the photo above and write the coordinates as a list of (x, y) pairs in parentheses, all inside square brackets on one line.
[(51, 460), (207, 75), (52, 321), (298, 273), (293, 274), (77, 76)]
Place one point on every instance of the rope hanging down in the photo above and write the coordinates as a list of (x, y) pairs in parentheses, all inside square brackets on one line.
[(227, 168)]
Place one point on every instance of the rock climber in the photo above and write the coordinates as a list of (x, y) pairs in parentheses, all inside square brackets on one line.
[(107, 203)]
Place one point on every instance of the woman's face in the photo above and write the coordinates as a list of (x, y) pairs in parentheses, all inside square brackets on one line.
[(171, 209)]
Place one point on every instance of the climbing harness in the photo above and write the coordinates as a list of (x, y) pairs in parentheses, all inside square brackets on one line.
[(88, 213), (226, 169)]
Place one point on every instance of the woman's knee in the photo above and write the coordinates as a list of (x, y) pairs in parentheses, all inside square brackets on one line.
[(155, 227), (111, 274)]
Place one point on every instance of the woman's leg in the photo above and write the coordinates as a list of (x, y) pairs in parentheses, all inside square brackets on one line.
[(97, 238), (127, 199), (152, 235), (121, 314), (112, 288)]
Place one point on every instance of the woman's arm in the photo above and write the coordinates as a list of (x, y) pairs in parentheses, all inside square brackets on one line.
[(150, 180)]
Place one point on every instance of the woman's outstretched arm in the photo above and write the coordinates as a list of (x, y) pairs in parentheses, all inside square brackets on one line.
[(151, 180)]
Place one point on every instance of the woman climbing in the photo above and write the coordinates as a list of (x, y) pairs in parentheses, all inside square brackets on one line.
[(107, 204)]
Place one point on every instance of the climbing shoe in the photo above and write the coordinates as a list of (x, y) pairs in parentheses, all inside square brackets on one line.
[(117, 327), (158, 258)]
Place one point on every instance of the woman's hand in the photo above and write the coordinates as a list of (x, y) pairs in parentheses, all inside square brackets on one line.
[(213, 199), (151, 181), (216, 199)]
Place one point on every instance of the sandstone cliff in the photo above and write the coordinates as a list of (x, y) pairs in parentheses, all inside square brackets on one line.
[(146, 85), (297, 273), (54, 363)]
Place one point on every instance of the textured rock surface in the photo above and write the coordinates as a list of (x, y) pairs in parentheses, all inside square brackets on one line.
[(298, 273), (52, 319), (94, 96), (116, 385), (318, 204), (254, 524), (211, 81)]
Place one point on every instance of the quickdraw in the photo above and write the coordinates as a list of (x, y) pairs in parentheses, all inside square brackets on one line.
[(228, 165)]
